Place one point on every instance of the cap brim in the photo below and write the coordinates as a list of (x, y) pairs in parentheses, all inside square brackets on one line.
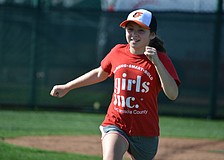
[(124, 23)]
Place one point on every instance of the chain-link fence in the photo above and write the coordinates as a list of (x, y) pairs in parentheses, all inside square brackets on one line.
[(43, 47), (54, 4)]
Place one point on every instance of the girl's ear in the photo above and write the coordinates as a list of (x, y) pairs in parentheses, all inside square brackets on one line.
[(152, 35)]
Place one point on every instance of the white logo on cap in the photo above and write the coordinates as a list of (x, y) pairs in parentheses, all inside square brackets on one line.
[(137, 14)]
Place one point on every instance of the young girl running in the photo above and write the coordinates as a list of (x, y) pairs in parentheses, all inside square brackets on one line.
[(141, 69)]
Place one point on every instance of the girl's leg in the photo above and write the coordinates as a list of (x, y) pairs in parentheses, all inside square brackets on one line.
[(114, 146)]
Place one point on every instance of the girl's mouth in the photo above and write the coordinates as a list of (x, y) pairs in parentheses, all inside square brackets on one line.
[(134, 40)]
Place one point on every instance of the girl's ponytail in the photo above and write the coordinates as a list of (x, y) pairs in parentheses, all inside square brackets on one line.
[(158, 44)]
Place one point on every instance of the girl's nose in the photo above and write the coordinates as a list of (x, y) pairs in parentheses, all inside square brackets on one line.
[(134, 33)]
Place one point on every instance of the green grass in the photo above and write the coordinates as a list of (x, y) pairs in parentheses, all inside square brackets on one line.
[(26, 123), (192, 128), (10, 152), (47, 123)]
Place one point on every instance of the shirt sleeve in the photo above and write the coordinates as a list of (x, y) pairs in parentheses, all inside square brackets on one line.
[(106, 64)]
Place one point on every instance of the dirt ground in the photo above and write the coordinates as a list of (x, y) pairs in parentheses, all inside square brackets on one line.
[(169, 148)]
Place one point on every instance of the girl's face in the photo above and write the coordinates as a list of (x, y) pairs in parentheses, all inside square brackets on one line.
[(138, 37)]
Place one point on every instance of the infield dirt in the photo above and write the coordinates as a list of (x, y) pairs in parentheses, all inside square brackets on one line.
[(169, 148)]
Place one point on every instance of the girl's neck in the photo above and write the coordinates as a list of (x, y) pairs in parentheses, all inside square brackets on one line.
[(136, 51)]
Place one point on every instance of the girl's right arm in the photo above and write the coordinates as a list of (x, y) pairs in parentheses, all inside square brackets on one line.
[(94, 76)]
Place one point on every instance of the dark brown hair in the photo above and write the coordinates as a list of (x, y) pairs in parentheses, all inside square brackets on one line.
[(158, 44)]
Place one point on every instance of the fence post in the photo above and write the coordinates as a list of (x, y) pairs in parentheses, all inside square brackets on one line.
[(216, 60), (32, 100), (33, 54)]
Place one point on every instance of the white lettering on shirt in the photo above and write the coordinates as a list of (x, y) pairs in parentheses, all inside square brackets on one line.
[(129, 104)]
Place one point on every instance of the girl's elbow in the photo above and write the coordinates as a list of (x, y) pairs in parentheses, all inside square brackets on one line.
[(173, 96)]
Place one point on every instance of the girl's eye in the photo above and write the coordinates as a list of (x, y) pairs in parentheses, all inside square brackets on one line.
[(129, 29), (141, 31)]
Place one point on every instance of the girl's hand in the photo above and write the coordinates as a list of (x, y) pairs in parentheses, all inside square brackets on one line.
[(59, 91), (152, 55)]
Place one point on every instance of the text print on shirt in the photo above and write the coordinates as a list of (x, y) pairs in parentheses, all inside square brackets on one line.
[(136, 85)]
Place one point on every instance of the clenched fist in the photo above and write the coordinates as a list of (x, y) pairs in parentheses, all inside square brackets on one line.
[(59, 91), (151, 53)]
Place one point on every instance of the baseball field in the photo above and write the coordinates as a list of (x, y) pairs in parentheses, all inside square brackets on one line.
[(38, 135)]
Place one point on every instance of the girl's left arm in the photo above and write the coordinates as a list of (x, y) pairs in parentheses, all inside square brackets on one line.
[(168, 84)]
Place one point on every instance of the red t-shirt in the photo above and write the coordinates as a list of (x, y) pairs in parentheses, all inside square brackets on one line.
[(134, 106)]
